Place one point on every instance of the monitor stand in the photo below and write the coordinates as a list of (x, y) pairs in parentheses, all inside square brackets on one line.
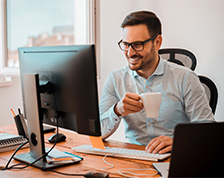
[(35, 126)]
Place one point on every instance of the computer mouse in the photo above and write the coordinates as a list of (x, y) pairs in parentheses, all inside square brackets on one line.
[(61, 137)]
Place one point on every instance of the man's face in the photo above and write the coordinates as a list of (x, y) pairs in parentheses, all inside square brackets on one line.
[(140, 60)]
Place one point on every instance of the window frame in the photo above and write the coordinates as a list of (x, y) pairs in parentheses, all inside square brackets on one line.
[(91, 6)]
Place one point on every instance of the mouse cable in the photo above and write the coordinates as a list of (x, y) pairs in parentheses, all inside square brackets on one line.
[(27, 165)]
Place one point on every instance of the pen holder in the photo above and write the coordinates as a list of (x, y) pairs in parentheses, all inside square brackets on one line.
[(21, 125)]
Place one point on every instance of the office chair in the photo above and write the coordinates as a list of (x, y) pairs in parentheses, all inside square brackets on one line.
[(180, 56), (186, 58), (211, 91)]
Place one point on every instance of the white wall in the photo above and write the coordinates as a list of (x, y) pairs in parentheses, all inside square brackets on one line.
[(10, 98), (196, 25)]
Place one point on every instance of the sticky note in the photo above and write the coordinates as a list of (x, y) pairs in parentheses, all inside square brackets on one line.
[(97, 142)]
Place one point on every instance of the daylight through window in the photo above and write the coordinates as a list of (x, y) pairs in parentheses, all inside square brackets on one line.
[(43, 23)]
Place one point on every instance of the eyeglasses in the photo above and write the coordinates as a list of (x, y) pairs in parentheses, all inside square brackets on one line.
[(137, 45)]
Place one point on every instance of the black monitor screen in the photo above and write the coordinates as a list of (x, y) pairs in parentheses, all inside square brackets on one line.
[(68, 85)]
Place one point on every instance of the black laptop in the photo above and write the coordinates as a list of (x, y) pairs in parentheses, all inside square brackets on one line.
[(198, 151)]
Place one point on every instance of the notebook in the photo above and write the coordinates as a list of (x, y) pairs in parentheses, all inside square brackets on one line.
[(198, 151), (10, 142)]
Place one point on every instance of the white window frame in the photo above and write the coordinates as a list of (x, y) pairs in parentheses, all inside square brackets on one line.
[(3, 42), (90, 37)]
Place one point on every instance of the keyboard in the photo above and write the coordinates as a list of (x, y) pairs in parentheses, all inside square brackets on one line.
[(121, 152), (12, 144)]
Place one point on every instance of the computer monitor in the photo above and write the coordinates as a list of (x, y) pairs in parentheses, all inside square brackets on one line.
[(58, 83)]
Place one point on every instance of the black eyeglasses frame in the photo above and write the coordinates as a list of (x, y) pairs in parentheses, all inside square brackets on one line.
[(131, 44)]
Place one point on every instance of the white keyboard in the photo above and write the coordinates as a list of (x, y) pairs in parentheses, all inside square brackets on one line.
[(121, 152)]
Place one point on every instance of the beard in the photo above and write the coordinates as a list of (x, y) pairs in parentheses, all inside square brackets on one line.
[(144, 62)]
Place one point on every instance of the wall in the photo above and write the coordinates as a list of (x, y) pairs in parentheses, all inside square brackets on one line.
[(10, 98), (196, 25)]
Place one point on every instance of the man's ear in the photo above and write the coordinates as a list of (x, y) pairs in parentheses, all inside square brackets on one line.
[(158, 42)]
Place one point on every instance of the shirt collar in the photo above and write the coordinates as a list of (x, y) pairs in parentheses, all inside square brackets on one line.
[(159, 70)]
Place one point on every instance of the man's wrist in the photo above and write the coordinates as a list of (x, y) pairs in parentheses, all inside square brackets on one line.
[(116, 110)]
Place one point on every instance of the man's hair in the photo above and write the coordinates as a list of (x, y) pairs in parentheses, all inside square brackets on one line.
[(144, 17)]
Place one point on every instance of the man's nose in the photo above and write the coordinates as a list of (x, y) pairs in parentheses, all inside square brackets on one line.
[(131, 51)]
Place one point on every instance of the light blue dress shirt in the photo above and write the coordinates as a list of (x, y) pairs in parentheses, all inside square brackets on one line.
[(183, 100)]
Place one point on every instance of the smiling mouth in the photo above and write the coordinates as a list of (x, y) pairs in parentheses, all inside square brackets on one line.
[(134, 59)]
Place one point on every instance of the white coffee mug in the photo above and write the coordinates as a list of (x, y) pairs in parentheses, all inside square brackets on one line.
[(151, 102)]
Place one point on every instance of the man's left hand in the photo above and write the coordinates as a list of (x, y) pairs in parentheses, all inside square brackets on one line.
[(161, 144)]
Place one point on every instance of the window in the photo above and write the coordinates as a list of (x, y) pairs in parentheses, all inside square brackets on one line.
[(27, 23)]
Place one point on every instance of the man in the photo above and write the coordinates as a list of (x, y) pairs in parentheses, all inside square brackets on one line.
[(183, 96)]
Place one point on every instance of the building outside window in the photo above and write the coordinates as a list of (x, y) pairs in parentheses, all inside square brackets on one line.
[(28, 23)]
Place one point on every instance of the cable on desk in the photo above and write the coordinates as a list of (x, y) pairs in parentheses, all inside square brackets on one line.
[(120, 171), (6, 167), (27, 165), (107, 163), (138, 175)]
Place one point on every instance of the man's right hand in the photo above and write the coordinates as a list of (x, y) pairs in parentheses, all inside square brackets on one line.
[(128, 104)]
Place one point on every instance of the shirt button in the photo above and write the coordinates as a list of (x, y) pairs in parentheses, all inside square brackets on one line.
[(149, 124), (147, 87)]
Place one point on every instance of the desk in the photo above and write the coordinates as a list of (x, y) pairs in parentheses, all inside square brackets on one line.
[(91, 163)]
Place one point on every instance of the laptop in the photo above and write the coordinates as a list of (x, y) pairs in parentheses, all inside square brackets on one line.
[(198, 151)]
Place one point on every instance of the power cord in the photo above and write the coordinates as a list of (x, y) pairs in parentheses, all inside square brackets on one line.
[(10, 159), (27, 165)]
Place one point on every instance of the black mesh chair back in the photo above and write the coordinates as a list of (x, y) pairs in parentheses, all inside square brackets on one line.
[(179, 56), (211, 91)]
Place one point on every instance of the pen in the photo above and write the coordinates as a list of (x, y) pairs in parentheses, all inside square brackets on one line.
[(13, 113), (19, 111), (72, 155)]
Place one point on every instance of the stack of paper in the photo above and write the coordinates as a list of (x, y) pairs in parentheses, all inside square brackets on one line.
[(56, 156)]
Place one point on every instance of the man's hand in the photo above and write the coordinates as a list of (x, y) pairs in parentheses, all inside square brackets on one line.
[(161, 144), (128, 104)]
